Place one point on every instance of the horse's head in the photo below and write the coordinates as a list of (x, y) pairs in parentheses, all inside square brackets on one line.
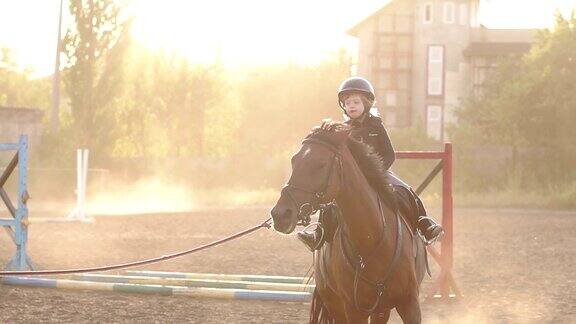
[(316, 177)]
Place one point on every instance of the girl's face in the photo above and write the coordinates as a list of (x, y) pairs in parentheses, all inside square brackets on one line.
[(354, 106)]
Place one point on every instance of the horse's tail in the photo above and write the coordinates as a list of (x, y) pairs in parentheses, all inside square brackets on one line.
[(319, 314)]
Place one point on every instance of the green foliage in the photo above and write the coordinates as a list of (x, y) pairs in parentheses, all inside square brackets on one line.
[(414, 172), (95, 50), (413, 139), (171, 108), (17, 88), (283, 103), (528, 110)]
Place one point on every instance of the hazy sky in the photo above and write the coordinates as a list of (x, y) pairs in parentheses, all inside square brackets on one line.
[(246, 32)]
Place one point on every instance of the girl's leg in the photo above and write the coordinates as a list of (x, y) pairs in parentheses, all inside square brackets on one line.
[(431, 230)]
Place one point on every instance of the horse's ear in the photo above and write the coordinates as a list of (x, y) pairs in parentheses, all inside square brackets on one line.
[(327, 125)]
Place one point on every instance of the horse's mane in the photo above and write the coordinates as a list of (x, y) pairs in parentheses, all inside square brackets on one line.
[(370, 163), (327, 131)]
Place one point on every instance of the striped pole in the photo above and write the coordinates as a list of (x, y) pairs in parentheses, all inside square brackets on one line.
[(162, 290), (186, 282), (228, 277)]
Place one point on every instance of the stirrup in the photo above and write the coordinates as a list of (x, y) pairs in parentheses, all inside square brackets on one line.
[(435, 238)]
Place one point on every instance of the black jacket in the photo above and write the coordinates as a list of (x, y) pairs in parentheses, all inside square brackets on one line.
[(370, 130)]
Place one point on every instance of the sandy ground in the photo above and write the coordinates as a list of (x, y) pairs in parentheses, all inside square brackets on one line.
[(512, 266)]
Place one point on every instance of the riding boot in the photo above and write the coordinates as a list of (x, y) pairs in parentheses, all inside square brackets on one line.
[(312, 240), (431, 230), (427, 226)]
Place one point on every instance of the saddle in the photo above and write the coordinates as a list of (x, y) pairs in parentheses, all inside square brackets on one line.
[(397, 198), (400, 199)]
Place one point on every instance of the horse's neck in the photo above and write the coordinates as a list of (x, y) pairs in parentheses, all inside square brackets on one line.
[(360, 207)]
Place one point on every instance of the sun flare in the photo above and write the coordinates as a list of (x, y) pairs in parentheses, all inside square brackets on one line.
[(248, 32)]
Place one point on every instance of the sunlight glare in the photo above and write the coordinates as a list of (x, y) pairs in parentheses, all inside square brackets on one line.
[(247, 32)]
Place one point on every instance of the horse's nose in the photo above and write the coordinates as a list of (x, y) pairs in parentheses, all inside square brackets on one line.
[(280, 212), (282, 217)]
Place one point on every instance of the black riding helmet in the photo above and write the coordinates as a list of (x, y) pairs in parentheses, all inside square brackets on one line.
[(355, 84)]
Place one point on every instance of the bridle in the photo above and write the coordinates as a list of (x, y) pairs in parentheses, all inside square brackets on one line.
[(317, 201)]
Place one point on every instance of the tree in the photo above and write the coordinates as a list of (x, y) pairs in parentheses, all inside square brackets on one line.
[(530, 105), (17, 88), (173, 108), (283, 103), (95, 51)]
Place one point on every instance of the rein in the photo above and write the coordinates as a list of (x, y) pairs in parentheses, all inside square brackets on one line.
[(357, 262)]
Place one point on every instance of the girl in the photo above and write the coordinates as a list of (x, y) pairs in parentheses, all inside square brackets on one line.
[(356, 97)]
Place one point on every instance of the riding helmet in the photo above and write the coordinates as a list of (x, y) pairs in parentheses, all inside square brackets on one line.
[(356, 84)]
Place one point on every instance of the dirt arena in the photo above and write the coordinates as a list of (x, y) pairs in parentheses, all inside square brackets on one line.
[(512, 266)]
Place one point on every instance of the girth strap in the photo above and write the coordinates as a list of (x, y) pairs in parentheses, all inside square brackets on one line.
[(380, 285)]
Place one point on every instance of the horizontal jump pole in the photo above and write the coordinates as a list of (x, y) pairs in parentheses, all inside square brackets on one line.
[(421, 155), (213, 276), (37, 220), (161, 290), (9, 146), (210, 283)]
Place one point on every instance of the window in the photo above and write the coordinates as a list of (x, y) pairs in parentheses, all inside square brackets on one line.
[(404, 62), (403, 24), (387, 44), (427, 13), (404, 44), (463, 14), (403, 80), (391, 98), (390, 118), (435, 70), (386, 24), (448, 12), (385, 81), (402, 98), (385, 62), (434, 122), (387, 47)]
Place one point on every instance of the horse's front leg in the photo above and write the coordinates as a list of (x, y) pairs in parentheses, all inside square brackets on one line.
[(380, 318), (355, 316), (409, 310)]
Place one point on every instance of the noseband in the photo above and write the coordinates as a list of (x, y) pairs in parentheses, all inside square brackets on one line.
[(306, 209)]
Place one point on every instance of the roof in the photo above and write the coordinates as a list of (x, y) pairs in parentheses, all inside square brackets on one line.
[(21, 110), (354, 30), (496, 48), (17, 113), (487, 35)]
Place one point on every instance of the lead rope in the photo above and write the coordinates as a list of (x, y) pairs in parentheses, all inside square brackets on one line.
[(265, 224)]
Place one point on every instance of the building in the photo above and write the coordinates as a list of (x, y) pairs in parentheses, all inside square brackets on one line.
[(424, 56), (20, 121)]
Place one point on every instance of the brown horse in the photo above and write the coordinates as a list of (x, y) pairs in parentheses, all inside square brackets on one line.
[(370, 265)]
